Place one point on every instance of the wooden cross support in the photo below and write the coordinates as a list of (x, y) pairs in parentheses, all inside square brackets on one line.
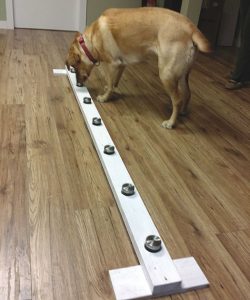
[(158, 274)]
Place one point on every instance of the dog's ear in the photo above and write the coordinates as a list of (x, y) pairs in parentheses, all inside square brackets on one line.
[(73, 60)]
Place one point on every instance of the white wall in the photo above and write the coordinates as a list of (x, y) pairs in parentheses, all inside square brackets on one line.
[(89, 10), (96, 7)]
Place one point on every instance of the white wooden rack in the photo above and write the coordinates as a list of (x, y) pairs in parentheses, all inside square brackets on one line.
[(157, 274)]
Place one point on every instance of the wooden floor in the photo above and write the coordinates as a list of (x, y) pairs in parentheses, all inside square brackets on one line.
[(60, 229)]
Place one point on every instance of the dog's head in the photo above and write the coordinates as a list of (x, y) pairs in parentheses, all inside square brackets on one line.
[(78, 60)]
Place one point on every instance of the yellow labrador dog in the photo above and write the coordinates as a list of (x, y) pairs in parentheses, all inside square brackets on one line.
[(125, 36)]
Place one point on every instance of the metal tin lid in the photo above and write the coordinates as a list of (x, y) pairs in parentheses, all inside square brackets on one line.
[(97, 121), (87, 100), (128, 189), (153, 243), (109, 149), (72, 69)]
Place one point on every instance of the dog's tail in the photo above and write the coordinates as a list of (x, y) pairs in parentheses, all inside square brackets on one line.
[(201, 41)]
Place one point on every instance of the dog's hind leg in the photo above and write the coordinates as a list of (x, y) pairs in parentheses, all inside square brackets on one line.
[(170, 83), (185, 94)]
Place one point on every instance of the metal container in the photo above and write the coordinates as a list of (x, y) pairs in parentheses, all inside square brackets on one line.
[(128, 189), (97, 121), (87, 100), (108, 149), (153, 243)]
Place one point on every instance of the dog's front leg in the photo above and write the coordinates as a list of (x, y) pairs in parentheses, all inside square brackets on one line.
[(113, 73), (118, 75)]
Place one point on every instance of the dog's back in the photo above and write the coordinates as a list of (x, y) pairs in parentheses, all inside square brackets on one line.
[(144, 26)]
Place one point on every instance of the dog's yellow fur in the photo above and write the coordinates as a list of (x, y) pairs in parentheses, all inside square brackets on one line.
[(125, 36)]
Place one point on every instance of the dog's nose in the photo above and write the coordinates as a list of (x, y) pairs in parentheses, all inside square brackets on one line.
[(79, 84)]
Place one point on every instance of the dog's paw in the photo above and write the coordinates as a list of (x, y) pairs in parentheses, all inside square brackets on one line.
[(102, 98), (167, 124)]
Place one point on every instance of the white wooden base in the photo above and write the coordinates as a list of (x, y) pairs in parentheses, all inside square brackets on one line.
[(158, 274), (131, 283)]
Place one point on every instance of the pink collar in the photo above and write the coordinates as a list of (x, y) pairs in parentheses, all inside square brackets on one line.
[(86, 50)]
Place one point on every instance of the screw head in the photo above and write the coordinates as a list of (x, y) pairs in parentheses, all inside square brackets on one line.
[(108, 149), (87, 100), (128, 189), (153, 243)]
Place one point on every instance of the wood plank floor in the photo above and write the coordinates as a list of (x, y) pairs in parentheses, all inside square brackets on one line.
[(60, 230)]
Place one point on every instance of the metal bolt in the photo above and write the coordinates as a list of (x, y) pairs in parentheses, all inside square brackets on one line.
[(153, 243), (87, 100), (97, 121), (108, 149), (128, 189)]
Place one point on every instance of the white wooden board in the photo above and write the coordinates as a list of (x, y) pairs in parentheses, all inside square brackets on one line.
[(158, 273), (58, 72)]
